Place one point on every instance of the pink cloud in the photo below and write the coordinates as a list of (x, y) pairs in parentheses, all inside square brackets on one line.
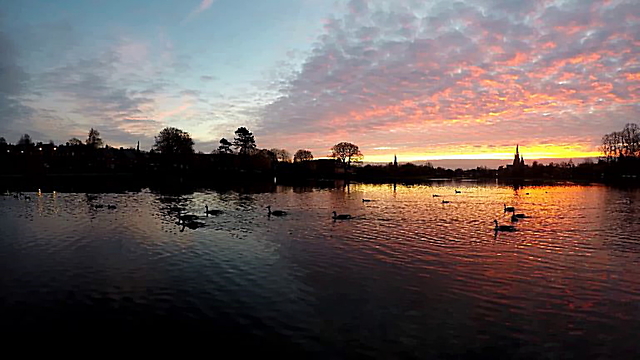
[(204, 5)]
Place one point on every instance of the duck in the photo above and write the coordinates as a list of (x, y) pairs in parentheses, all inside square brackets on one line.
[(211, 212), (509, 208), (341, 216), (276, 212), (508, 228)]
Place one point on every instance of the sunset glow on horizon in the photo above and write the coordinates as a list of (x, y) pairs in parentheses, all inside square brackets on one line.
[(423, 80)]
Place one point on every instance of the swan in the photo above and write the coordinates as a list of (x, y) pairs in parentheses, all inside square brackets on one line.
[(341, 216), (276, 212), (211, 212), (509, 208), (503, 227)]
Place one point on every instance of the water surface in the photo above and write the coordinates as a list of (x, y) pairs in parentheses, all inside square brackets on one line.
[(408, 277)]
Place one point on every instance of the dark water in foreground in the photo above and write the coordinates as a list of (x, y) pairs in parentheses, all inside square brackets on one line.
[(409, 277)]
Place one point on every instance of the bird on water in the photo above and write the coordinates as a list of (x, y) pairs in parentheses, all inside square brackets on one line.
[(337, 216), (509, 208), (508, 228), (211, 212), (276, 212)]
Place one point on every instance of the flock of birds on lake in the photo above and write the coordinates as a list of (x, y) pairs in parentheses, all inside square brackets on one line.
[(193, 222)]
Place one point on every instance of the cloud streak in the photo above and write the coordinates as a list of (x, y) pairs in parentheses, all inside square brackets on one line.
[(204, 5)]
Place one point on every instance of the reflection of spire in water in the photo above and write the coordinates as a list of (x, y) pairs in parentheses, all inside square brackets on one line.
[(395, 160)]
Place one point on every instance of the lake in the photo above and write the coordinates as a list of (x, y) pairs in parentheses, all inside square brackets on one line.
[(408, 277)]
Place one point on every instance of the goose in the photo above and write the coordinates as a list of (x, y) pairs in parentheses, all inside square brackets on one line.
[(503, 227), (341, 216), (446, 202), (458, 192), (192, 225), (211, 212), (187, 217), (514, 218), (520, 216), (276, 212), (509, 208)]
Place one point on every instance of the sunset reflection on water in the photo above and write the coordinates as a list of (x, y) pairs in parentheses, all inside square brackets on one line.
[(409, 273)]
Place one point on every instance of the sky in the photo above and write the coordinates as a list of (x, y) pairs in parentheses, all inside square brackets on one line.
[(421, 79)]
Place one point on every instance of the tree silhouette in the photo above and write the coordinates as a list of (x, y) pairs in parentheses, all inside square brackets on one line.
[(75, 142), (25, 140), (346, 152), (622, 144), (302, 155), (281, 155), (94, 139), (225, 147), (173, 141), (3, 141), (244, 141)]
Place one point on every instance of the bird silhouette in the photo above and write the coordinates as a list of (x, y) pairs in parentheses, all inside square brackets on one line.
[(337, 216), (276, 212), (458, 192), (508, 228), (446, 202), (509, 208), (211, 212)]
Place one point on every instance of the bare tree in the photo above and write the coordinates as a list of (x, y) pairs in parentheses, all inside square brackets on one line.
[(621, 144), (281, 154), (302, 155), (74, 142), (346, 152)]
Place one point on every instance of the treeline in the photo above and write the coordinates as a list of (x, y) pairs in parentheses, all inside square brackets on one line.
[(172, 154)]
